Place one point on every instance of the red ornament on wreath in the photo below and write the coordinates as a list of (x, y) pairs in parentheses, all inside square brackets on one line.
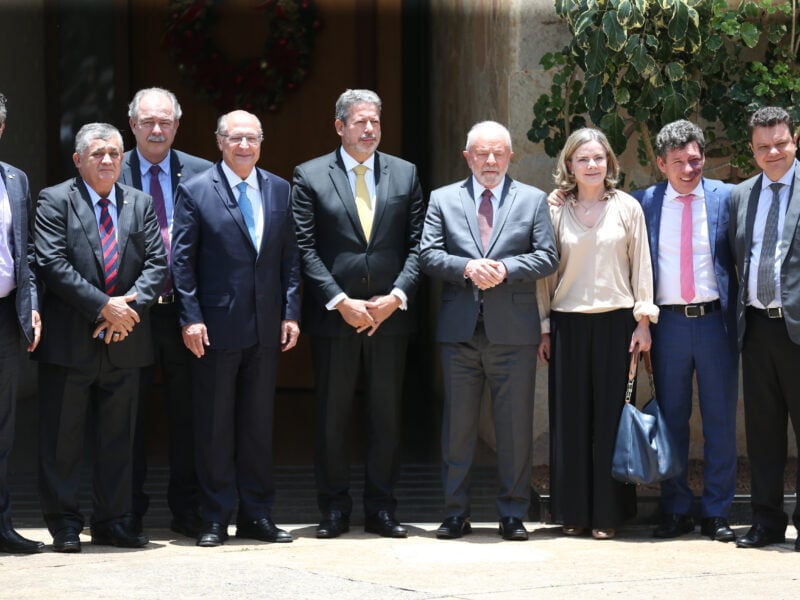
[(254, 84)]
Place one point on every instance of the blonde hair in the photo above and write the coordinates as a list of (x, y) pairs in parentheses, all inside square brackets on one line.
[(565, 180)]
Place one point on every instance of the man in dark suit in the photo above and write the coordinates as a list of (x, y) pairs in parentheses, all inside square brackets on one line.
[(359, 216), (156, 168), (101, 258), (695, 288), (19, 317), (489, 239), (765, 239), (236, 270)]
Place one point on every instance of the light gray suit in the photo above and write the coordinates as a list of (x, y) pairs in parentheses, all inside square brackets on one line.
[(488, 336)]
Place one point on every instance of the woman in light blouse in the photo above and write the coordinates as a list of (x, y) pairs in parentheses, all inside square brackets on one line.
[(595, 310)]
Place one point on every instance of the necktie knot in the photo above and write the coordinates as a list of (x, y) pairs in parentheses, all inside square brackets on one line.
[(776, 190), (685, 199), (104, 202), (155, 170), (360, 170), (242, 187)]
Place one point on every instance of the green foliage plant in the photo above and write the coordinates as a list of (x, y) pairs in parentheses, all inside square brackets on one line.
[(634, 65)]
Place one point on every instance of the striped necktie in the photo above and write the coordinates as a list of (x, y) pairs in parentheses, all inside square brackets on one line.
[(108, 241)]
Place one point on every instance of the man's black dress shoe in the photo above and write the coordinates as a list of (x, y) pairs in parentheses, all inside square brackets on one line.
[(189, 526), (333, 525), (67, 540), (717, 529), (133, 523), (212, 534), (116, 534), (672, 526), (453, 528), (797, 544), (262, 529), (759, 536), (11, 541), (511, 528), (385, 525)]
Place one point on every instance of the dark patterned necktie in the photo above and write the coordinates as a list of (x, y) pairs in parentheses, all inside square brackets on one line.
[(765, 284), (108, 241), (486, 218)]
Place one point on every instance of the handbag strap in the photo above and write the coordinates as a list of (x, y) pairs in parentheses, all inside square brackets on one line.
[(633, 368)]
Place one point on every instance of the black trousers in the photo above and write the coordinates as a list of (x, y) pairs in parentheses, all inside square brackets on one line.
[(67, 396), (337, 362), (9, 379), (176, 368), (588, 375), (771, 386)]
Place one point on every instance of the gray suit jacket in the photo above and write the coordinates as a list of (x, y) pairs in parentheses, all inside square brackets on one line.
[(19, 197), (522, 238), (744, 200)]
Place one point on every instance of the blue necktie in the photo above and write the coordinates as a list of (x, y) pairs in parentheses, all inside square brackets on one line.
[(247, 211)]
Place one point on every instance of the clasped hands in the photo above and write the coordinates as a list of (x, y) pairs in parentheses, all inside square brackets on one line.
[(485, 273), (117, 319), (367, 315)]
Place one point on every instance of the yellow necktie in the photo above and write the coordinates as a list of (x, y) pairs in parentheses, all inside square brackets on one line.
[(363, 203)]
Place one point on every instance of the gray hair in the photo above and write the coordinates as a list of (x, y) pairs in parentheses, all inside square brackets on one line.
[(351, 98), (564, 178), (133, 107), (3, 109), (222, 127), (488, 127), (677, 135), (769, 116), (96, 131)]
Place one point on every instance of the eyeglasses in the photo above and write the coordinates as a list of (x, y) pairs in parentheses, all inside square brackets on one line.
[(148, 124), (235, 140)]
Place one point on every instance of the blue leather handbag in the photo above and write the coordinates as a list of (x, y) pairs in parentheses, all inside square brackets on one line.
[(643, 452)]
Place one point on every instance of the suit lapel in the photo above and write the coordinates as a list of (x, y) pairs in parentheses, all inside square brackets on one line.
[(712, 218), (175, 170), (507, 197), (265, 185), (16, 202), (750, 218), (341, 184), (82, 205), (652, 206), (229, 202), (792, 215), (124, 219), (467, 197), (382, 176), (134, 168)]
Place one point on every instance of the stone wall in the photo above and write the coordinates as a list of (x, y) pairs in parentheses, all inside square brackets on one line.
[(485, 65)]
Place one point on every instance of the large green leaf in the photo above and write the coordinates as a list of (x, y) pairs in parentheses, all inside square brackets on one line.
[(642, 61), (674, 71), (584, 21), (750, 35), (596, 53), (615, 34), (678, 25), (675, 106), (614, 128)]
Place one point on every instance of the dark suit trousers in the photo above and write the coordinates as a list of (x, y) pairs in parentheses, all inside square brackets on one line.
[(234, 393), (771, 385), (683, 346), (588, 374), (9, 378), (67, 397), (337, 361), (510, 371), (176, 372)]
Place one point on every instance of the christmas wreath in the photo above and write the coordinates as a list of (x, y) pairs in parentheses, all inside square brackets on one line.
[(255, 84)]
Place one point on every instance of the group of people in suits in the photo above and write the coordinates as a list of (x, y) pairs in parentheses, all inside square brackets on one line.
[(156, 258)]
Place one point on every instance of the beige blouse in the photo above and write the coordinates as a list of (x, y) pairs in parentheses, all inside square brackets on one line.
[(602, 268)]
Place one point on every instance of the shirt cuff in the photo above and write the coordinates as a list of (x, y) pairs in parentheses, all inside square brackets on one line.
[(336, 299), (403, 298)]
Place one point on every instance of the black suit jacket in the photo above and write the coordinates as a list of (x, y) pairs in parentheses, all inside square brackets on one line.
[(335, 255), (70, 262), (182, 167), (19, 197), (241, 295)]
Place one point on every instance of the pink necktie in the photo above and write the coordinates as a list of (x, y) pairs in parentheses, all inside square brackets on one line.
[(485, 218), (687, 264)]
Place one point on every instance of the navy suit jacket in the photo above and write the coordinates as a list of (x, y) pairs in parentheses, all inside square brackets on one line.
[(744, 200), (522, 238), (69, 258), (182, 167), (19, 197), (239, 294), (717, 196), (337, 257)]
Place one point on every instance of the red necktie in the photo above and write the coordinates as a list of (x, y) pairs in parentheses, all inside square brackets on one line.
[(485, 218), (108, 241), (161, 214), (687, 262)]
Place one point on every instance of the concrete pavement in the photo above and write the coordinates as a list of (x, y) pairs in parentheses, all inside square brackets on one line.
[(360, 566)]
